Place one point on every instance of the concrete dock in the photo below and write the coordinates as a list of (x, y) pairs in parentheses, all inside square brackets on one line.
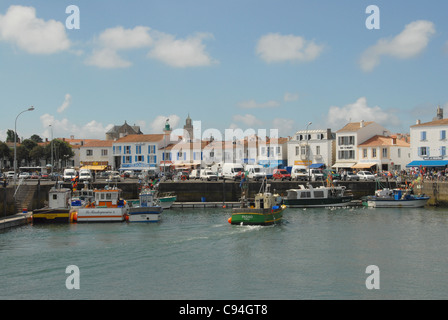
[(15, 220)]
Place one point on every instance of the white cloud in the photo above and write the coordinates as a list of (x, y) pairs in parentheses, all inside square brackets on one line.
[(252, 104), (112, 40), (65, 104), (64, 128), (337, 117), (107, 58), (157, 125), (408, 44), (119, 38), (21, 27), (290, 97), (181, 53), (284, 126), (275, 47), (248, 119)]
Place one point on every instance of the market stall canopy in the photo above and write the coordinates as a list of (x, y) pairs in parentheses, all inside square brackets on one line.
[(343, 165), (95, 168)]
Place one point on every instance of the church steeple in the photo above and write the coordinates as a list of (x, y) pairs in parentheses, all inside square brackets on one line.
[(188, 129)]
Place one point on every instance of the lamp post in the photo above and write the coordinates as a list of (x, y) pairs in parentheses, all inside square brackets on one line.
[(307, 151), (15, 143)]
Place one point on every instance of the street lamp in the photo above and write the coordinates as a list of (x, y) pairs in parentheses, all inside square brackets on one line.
[(307, 150), (15, 142)]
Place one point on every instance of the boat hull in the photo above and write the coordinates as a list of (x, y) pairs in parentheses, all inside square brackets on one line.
[(145, 214), (51, 216), (264, 217), (101, 214), (317, 202), (406, 203), (167, 202)]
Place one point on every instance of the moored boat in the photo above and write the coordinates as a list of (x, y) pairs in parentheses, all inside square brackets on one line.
[(266, 209), (108, 206), (58, 209), (146, 210), (395, 198), (322, 196)]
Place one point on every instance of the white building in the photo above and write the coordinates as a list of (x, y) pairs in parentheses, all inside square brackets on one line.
[(312, 147), (349, 137), (383, 153), (96, 155), (429, 142)]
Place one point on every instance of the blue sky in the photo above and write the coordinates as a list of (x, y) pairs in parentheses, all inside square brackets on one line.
[(230, 64)]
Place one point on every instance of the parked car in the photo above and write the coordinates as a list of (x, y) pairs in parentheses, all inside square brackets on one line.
[(208, 175), (366, 175), (316, 175), (351, 176), (24, 175), (281, 174), (113, 176), (10, 175), (195, 174)]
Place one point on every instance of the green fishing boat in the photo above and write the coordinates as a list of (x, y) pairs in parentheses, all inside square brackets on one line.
[(265, 209)]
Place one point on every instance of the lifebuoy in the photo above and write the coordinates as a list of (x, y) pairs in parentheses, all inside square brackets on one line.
[(184, 178)]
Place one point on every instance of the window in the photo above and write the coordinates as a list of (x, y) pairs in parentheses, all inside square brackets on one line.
[(384, 152), (423, 151), (423, 136), (139, 158), (346, 154), (297, 151), (399, 153), (364, 153), (373, 153), (127, 149), (317, 150), (442, 134), (127, 159), (443, 151), (138, 149), (89, 152), (347, 140), (104, 152)]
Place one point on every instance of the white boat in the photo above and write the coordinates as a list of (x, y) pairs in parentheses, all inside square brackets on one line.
[(166, 200), (58, 209), (146, 210), (322, 196), (107, 207), (395, 198)]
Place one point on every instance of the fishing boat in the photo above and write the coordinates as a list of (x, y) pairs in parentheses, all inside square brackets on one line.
[(82, 197), (166, 199), (265, 209), (107, 206), (146, 210), (58, 209), (395, 198), (322, 196)]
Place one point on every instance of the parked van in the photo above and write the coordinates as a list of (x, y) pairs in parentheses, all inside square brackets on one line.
[(255, 171), (69, 174), (299, 173), (232, 170), (85, 175), (195, 174)]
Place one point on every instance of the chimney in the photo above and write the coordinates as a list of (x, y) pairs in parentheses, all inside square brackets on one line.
[(361, 124), (418, 121), (394, 141)]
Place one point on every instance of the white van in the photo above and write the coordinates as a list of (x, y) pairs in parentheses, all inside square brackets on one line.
[(299, 173), (69, 174), (316, 175), (232, 171), (255, 171), (194, 174), (85, 175)]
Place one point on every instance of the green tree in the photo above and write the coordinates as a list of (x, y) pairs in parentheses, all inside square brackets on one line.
[(10, 136), (36, 138)]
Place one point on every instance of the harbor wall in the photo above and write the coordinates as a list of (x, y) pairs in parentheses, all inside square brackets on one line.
[(438, 192)]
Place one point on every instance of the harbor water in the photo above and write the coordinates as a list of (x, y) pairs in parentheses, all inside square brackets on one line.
[(195, 254)]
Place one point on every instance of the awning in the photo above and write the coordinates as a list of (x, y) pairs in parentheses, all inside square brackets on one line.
[(427, 163), (316, 165), (95, 168), (343, 164), (363, 165)]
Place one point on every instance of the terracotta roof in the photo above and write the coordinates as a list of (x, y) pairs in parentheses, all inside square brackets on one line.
[(98, 143), (141, 138), (354, 126), (441, 122), (376, 141), (187, 145)]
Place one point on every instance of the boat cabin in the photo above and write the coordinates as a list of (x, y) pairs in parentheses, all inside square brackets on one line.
[(59, 198), (315, 193), (108, 198), (146, 199)]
